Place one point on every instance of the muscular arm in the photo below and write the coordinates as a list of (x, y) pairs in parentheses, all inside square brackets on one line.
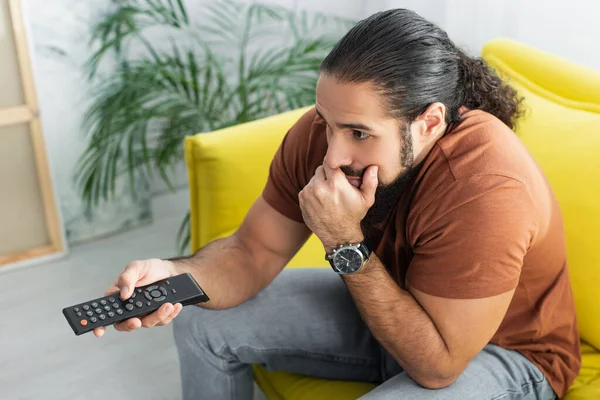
[(432, 338), (234, 269)]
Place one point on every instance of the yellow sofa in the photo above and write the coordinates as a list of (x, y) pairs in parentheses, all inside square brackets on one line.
[(228, 168)]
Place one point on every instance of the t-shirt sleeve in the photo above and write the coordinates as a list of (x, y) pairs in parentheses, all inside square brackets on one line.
[(471, 239), (287, 172)]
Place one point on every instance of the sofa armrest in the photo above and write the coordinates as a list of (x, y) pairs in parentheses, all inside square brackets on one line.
[(227, 171)]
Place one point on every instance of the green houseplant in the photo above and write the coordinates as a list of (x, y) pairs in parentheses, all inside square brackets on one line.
[(229, 64)]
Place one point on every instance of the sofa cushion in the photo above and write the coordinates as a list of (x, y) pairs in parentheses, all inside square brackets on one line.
[(281, 385)]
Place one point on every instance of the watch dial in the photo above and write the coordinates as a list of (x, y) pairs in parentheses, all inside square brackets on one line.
[(348, 260)]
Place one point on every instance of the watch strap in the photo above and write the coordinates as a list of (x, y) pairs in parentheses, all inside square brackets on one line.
[(365, 249)]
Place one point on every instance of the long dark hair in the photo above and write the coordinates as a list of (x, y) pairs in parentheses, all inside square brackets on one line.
[(414, 63)]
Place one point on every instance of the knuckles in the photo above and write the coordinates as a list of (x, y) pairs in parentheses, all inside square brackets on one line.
[(321, 190)]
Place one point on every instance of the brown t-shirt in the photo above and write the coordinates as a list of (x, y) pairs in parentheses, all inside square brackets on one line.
[(478, 219)]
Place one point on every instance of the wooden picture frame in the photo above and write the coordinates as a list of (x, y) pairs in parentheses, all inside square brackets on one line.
[(28, 114)]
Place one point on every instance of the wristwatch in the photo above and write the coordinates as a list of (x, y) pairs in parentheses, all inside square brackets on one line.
[(349, 258)]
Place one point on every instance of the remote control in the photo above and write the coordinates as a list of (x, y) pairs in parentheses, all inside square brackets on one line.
[(107, 310)]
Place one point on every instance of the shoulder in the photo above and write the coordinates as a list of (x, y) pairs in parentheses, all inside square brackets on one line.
[(306, 129), (480, 166), (304, 146), (481, 144)]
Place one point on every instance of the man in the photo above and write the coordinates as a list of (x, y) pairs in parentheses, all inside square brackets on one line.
[(458, 288)]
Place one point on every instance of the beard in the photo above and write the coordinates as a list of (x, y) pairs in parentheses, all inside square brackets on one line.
[(387, 195)]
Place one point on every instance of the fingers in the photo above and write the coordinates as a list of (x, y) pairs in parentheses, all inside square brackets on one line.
[(128, 278), (128, 325), (369, 183), (332, 174), (99, 332), (112, 289), (162, 316), (319, 176)]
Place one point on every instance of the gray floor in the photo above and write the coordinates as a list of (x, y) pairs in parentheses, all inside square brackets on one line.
[(40, 357)]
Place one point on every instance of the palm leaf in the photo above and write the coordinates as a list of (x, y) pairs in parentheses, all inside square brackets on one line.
[(260, 13), (140, 115)]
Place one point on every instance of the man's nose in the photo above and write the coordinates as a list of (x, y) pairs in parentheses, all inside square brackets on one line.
[(338, 154)]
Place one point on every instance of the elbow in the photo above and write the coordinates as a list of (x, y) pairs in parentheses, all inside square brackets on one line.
[(437, 378), (437, 382)]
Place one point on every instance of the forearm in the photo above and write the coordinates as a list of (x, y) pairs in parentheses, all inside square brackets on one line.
[(401, 325), (225, 270)]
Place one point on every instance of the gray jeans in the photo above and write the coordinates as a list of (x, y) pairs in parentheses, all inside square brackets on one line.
[(306, 322)]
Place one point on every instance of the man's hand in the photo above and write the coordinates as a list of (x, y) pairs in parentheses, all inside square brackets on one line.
[(140, 273), (332, 208)]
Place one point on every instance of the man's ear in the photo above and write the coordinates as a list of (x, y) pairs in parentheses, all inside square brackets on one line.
[(431, 122)]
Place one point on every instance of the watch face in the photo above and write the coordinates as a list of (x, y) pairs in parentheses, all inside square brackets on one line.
[(348, 260)]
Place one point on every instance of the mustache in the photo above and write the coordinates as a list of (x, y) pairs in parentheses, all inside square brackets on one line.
[(353, 172)]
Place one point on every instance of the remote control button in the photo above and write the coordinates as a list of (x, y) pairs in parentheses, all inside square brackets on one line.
[(79, 314), (163, 290), (76, 309), (98, 310), (138, 304), (103, 302), (86, 307), (129, 307), (115, 305), (160, 299), (120, 311), (111, 314), (147, 295), (167, 282), (130, 301), (148, 303), (94, 305), (89, 313), (111, 299), (138, 290), (83, 322), (106, 308), (155, 293), (174, 291), (133, 295), (93, 319), (151, 288), (102, 317)]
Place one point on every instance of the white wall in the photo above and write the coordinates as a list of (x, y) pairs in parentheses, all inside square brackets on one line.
[(569, 29)]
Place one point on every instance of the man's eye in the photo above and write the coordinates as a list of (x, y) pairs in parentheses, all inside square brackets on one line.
[(360, 135)]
